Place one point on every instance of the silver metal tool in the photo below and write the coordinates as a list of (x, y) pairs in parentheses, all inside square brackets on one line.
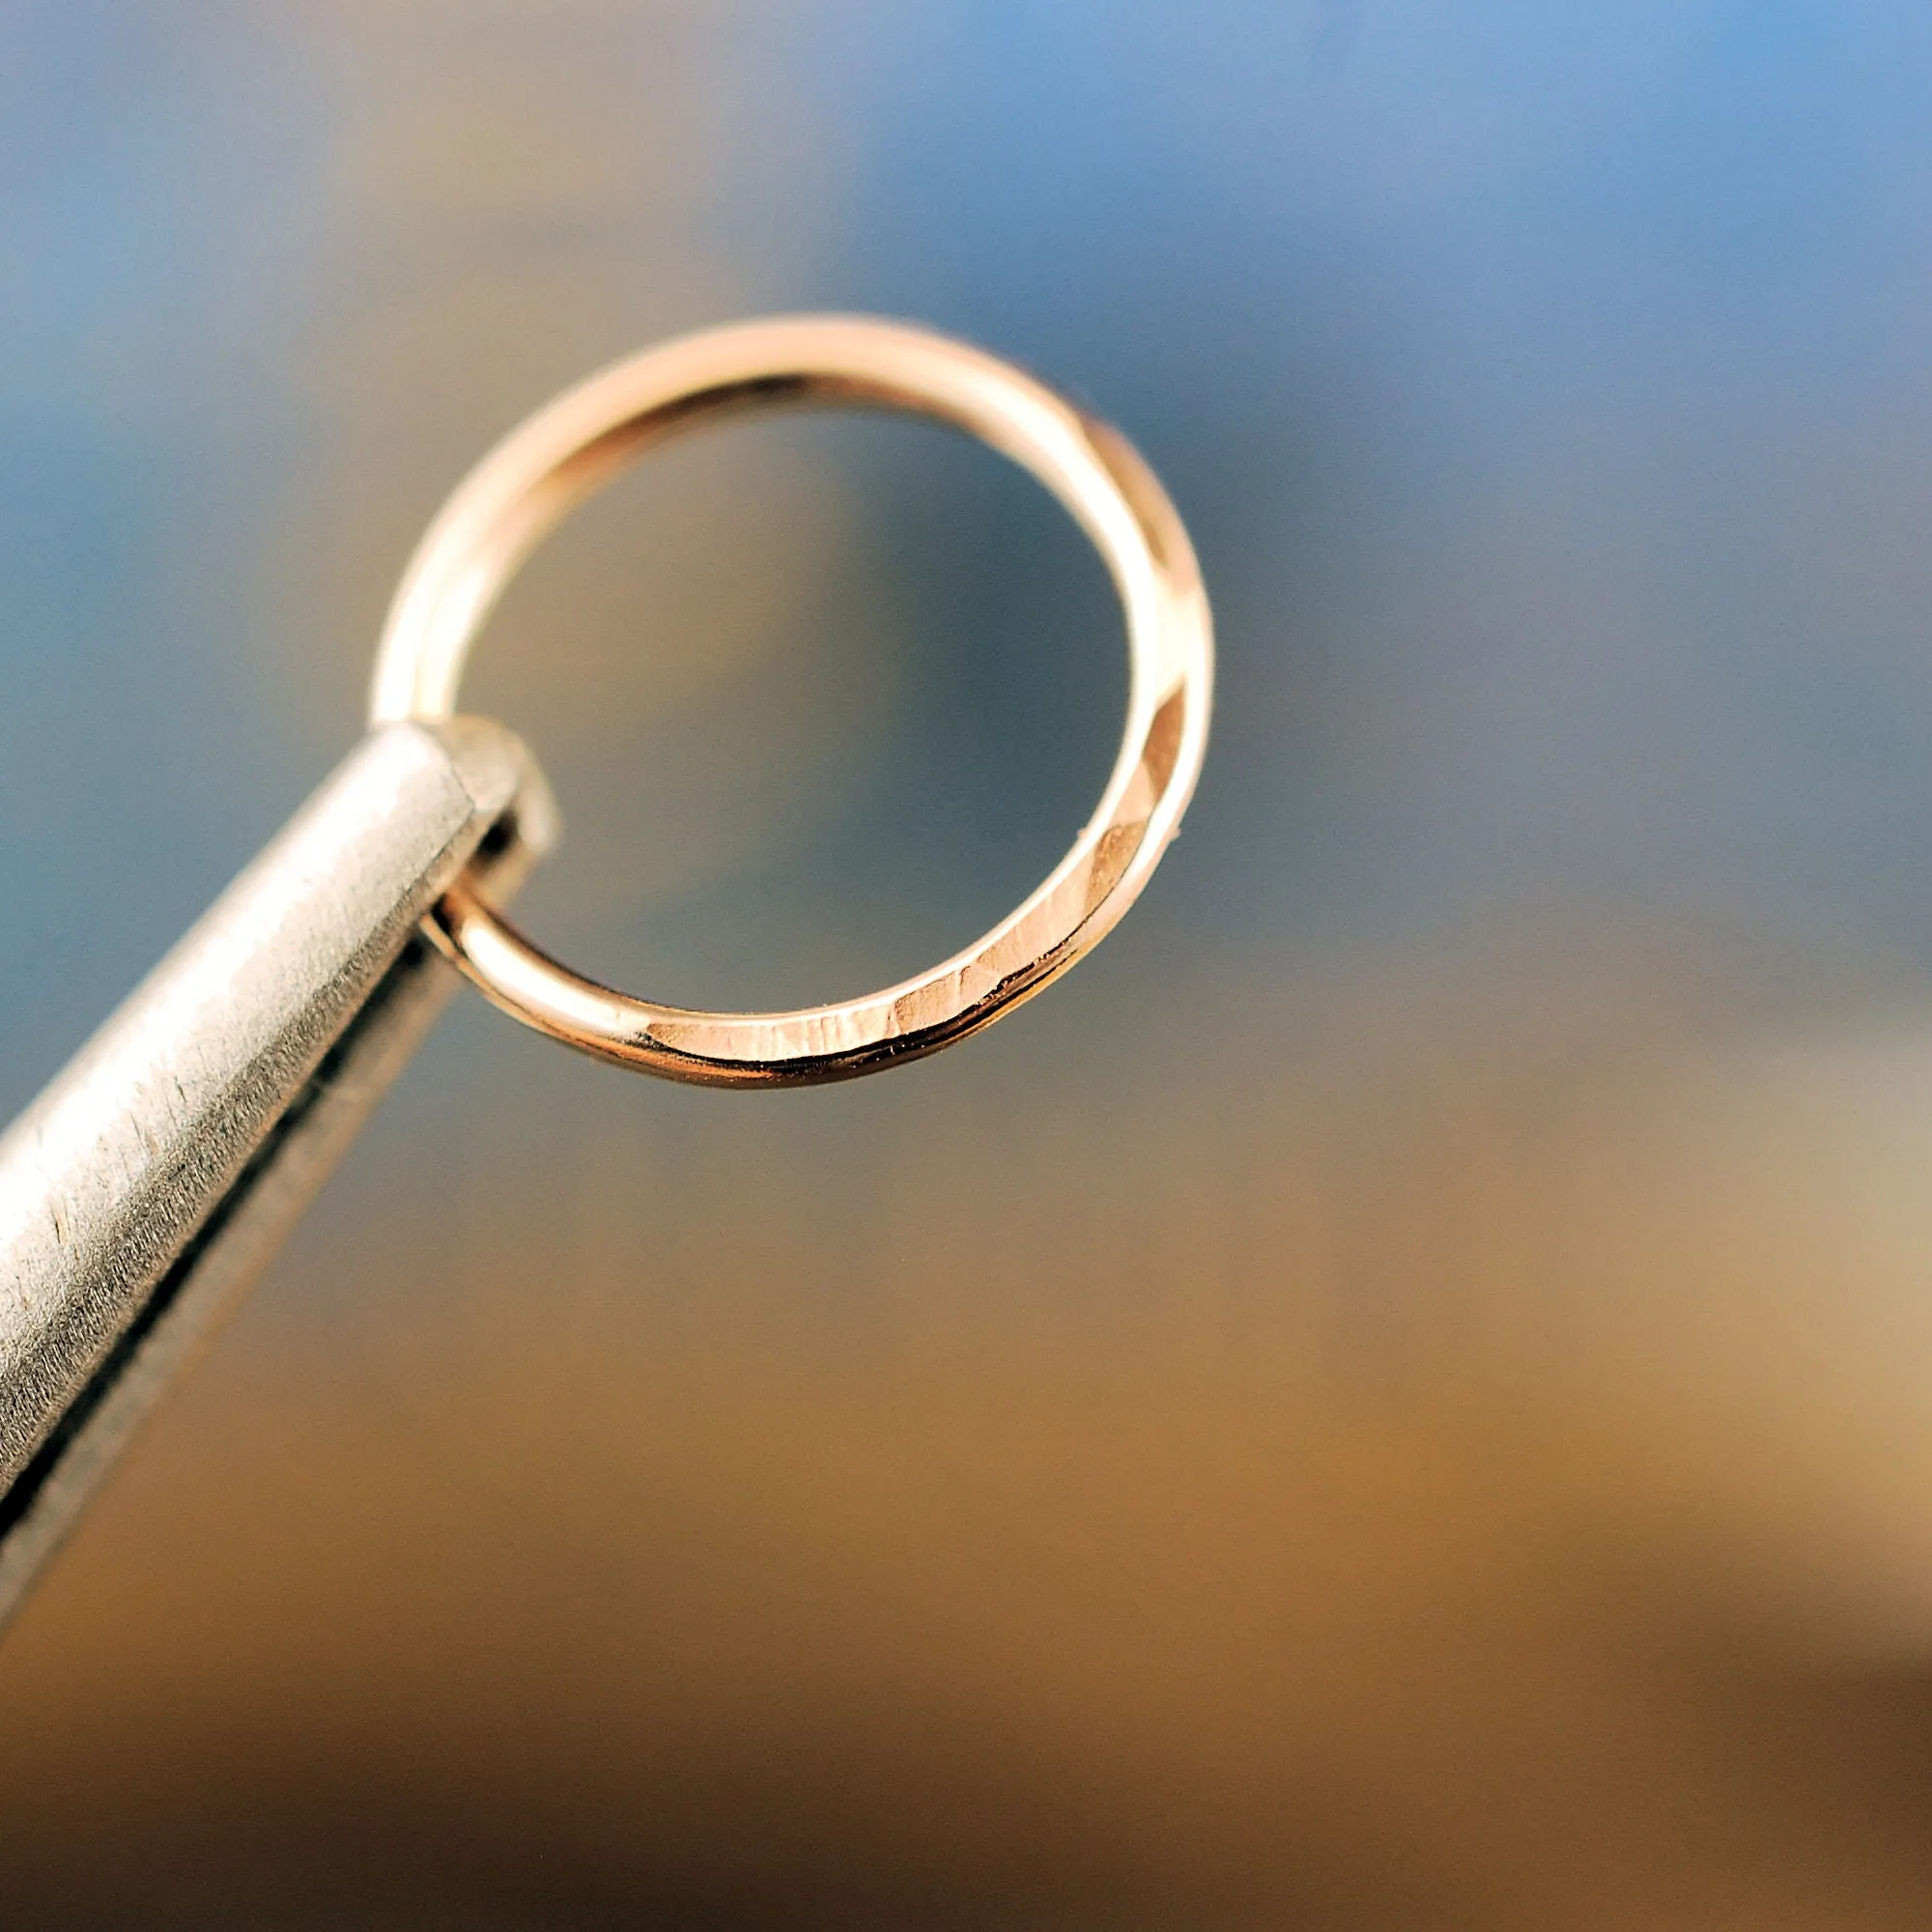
[(150, 1182)]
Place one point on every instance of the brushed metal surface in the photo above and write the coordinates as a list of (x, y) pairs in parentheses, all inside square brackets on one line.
[(147, 1185)]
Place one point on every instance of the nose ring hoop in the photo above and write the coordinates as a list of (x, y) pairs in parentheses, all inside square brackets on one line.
[(580, 441)]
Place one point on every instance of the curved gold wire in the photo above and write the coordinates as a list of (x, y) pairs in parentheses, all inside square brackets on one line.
[(531, 480)]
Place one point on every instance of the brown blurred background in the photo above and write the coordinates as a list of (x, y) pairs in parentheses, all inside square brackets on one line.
[(1398, 1396)]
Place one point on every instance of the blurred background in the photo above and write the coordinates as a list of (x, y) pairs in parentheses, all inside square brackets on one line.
[(1400, 1394)]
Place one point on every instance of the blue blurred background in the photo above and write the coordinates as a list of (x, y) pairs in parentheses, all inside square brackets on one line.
[(1395, 1396)]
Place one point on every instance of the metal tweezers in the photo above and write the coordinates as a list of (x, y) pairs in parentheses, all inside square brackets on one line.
[(150, 1182)]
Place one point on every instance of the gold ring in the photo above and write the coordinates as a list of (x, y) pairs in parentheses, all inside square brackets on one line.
[(578, 443)]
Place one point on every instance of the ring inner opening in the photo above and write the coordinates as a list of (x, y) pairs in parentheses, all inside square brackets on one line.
[(823, 695)]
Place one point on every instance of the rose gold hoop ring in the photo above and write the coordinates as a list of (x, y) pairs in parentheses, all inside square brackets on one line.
[(525, 486)]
